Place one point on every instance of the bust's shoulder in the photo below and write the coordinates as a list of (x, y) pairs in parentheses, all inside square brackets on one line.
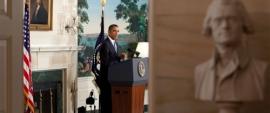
[(204, 80), (204, 66), (258, 65), (203, 70)]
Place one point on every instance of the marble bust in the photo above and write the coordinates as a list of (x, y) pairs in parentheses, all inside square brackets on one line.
[(231, 76)]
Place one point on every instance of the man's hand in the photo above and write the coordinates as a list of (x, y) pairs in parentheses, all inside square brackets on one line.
[(123, 56)]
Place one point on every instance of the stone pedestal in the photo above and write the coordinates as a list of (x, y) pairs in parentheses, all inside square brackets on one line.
[(228, 107)]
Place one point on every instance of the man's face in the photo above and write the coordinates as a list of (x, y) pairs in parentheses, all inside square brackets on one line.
[(226, 25), (113, 33)]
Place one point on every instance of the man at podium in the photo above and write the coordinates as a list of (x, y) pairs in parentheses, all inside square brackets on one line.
[(109, 54)]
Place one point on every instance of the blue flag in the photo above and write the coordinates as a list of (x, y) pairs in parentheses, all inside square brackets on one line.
[(101, 36), (96, 57)]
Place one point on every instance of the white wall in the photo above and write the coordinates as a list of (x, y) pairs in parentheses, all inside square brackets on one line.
[(57, 49)]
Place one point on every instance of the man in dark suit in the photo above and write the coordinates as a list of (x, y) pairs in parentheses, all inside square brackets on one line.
[(40, 15), (109, 54)]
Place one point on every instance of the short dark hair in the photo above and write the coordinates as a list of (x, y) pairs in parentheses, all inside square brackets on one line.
[(112, 26)]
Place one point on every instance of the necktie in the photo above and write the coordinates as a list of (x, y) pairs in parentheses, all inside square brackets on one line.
[(115, 47)]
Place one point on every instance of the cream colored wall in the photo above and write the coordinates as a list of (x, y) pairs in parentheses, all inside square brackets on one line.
[(177, 46), (57, 49)]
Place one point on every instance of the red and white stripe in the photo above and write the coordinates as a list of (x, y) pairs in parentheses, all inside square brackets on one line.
[(27, 80), (27, 72)]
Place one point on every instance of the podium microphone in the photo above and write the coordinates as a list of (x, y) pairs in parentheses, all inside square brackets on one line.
[(133, 52)]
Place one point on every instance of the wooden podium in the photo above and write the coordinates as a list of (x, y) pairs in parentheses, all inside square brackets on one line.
[(128, 80)]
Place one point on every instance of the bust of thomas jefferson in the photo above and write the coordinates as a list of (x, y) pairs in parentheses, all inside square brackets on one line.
[(231, 76)]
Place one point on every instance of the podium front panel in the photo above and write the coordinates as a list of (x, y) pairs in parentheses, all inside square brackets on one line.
[(134, 71)]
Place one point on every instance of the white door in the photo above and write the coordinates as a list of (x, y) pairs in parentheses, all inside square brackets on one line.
[(11, 43)]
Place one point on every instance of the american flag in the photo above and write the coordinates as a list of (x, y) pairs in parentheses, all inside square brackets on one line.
[(27, 72)]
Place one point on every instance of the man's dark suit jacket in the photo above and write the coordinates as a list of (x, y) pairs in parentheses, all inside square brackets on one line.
[(108, 56), (41, 17)]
